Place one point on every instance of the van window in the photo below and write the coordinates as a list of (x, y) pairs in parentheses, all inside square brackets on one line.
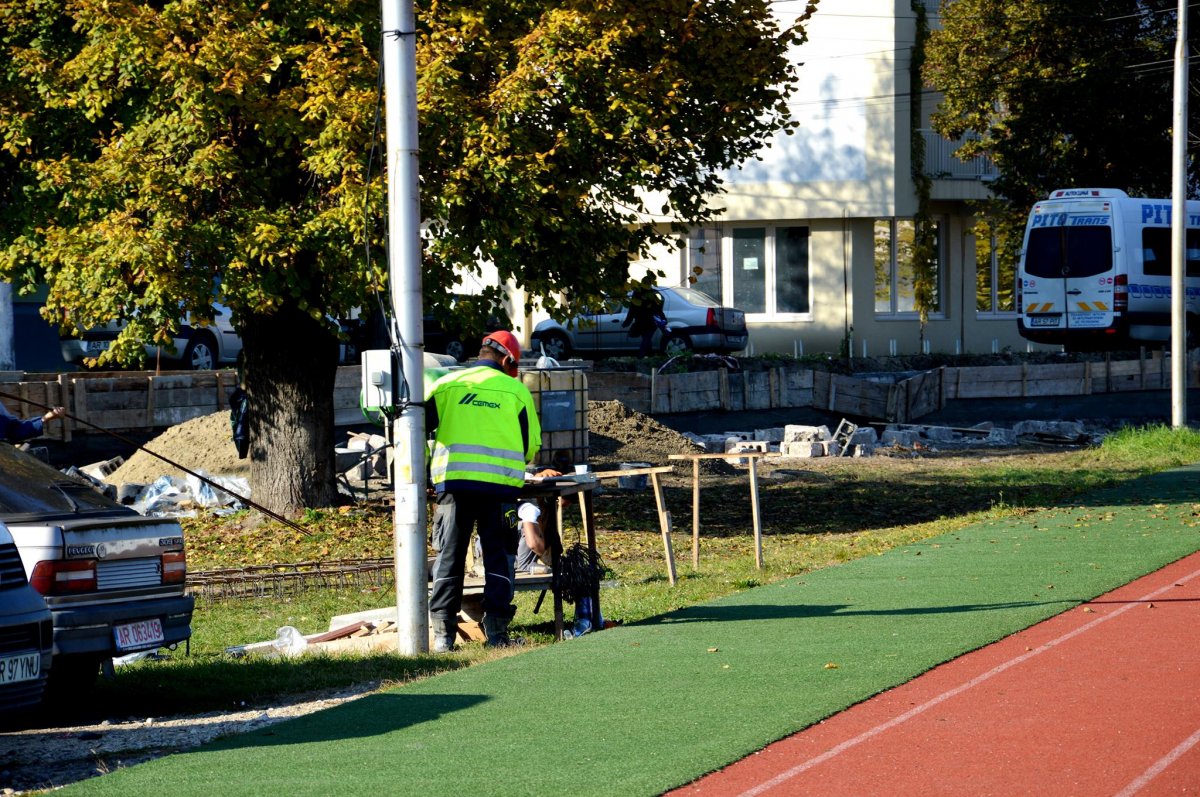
[(1156, 251), (1069, 251)]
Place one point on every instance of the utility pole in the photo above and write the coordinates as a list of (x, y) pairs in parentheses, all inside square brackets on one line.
[(399, 56), (1179, 222)]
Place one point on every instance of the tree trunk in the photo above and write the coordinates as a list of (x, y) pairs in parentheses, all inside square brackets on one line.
[(289, 365)]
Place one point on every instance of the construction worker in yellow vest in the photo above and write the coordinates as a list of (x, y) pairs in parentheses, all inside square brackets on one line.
[(486, 431)]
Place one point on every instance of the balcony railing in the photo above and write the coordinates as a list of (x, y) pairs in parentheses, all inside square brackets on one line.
[(942, 164)]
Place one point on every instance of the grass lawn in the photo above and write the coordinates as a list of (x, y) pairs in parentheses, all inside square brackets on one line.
[(821, 513)]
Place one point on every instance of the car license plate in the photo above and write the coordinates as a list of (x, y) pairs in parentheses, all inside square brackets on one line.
[(737, 340), (142, 634), (97, 346), (22, 667), (1044, 320)]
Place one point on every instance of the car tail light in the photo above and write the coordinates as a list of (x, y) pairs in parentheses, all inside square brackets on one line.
[(1121, 293), (711, 319), (174, 567), (64, 578)]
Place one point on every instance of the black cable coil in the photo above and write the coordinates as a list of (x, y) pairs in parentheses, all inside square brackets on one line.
[(579, 572)]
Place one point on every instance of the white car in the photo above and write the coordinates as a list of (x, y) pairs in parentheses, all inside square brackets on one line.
[(695, 322), (113, 579), (195, 348)]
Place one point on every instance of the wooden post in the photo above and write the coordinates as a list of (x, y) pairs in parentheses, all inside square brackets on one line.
[(81, 399), (695, 513), (1087, 378), (773, 395), (723, 389), (150, 384), (664, 524), (64, 401), (758, 555)]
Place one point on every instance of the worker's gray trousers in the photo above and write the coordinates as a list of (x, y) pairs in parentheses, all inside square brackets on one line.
[(454, 517)]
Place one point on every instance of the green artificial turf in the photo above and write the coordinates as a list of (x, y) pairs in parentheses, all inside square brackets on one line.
[(642, 708)]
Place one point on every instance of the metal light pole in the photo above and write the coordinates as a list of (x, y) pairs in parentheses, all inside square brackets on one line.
[(404, 272), (1179, 219)]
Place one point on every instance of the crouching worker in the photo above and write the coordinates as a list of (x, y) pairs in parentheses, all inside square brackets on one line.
[(486, 431), (533, 553)]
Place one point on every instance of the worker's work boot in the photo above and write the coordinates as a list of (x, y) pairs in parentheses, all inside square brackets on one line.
[(496, 629), (444, 633)]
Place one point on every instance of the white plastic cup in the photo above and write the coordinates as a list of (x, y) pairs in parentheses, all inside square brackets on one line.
[(581, 468)]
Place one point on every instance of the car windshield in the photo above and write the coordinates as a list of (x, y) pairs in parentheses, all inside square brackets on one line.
[(29, 486), (698, 298)]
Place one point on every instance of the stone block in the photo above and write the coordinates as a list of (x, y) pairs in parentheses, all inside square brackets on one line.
[(772, 435), (802, 449), (900, 437), (795, 433)]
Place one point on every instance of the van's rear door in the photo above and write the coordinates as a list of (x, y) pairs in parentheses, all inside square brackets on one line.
[(1068, 267)]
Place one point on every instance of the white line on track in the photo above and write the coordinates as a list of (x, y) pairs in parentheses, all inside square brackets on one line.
[(832, 752), (1159, 766)]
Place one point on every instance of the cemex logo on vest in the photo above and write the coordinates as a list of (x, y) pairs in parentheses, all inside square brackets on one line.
[(474, 400)]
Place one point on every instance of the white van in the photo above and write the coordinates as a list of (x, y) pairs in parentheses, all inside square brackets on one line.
[(1095, 270)]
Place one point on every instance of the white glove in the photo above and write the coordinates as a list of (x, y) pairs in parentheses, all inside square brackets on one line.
[(529, 512)]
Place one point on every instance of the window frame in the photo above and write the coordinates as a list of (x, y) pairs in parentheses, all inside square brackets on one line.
[(993, 289), (770, 240), (892, 314)]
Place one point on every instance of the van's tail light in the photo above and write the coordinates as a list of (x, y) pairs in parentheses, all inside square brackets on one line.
[(1020, 298), (710, 320), (174, 567), (1121, 293), (64, 577)]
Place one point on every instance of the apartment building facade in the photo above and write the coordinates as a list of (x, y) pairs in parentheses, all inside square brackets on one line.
[(814, 240)]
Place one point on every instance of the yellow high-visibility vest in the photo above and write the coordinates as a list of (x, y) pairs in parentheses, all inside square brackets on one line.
[(479, 443)]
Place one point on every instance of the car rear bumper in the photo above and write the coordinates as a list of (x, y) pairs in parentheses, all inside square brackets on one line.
[(89, 629), (704, 339)]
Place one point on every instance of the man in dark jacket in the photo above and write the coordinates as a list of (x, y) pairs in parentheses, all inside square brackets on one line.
[(645, 317), (15, 430)]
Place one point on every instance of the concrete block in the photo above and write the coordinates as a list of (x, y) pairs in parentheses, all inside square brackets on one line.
[(941, 434), (738, 436), (802, 449), (901, 437), (832, 448), (863, 450), (865, 435), (795, 433), (1002, 437), (772, 435)]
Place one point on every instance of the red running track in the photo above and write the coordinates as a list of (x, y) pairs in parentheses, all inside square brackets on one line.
[(1101, 700)]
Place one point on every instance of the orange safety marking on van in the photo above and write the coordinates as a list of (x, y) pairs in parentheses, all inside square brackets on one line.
[(1090, 306), (1040, 308)]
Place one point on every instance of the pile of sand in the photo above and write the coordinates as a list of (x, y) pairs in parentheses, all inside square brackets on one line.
[(201, 444), (616, 434)]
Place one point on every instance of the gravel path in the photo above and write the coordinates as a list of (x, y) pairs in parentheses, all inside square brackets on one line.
[(46, 758)]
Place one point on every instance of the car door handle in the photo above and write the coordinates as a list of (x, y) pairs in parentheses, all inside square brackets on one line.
[(1074, 292)]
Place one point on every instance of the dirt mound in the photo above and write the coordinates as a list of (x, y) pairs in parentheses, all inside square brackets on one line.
[(201, 444), (619, 434), (616, 434)]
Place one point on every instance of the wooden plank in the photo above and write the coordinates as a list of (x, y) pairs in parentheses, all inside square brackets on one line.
[(755, 514), (664, 524)]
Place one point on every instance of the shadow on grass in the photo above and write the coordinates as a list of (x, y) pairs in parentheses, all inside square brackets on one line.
[(761, 611), (373, 715)]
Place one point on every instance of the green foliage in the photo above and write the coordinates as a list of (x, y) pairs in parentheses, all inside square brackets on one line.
[(552, 132), (1060, 93)]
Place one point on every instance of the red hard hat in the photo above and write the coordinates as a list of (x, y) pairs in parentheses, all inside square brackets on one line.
[(505, 342)]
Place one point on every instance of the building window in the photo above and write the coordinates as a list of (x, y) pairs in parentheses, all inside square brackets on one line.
[(791, 270), (768, 272), (704, 260), (995, 281), (750, 269), (894, 272)]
